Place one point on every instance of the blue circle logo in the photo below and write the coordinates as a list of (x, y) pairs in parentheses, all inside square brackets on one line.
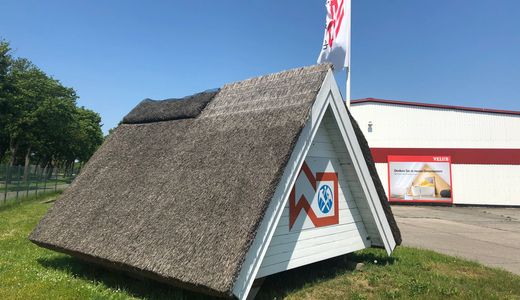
[(325, 199)]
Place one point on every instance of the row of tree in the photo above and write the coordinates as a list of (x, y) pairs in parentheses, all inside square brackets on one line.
[(40, 122)]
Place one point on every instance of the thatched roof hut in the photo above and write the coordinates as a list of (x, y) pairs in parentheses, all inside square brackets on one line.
[(195, 191)]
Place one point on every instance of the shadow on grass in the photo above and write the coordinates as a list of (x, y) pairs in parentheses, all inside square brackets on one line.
[(136, 287), (275, 286), (282, 284)]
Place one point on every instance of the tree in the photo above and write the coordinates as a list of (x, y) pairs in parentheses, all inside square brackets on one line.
[(90, 134), (39, 118), (85, 136), (40, 110), (21, 103), (5, 64), (54, 117)]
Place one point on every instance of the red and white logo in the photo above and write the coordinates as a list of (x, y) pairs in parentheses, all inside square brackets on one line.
[(336, 38), (336, 12), (316, 195)]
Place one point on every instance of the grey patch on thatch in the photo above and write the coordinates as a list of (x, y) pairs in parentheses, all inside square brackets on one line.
[(150, 110), (377, 181), (181, 200)]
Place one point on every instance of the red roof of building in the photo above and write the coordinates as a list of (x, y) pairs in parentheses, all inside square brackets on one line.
[(431, 105)]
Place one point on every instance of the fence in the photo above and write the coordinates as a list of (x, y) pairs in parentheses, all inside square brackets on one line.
[(15, 185)]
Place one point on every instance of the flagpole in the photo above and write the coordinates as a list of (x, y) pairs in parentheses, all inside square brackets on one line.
[(349, 37), (347, 90)]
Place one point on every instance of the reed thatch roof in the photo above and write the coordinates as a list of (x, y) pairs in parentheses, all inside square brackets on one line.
[(177, 192)]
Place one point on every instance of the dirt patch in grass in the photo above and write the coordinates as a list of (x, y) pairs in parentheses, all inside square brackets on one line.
[(7, 234), (469, 272)]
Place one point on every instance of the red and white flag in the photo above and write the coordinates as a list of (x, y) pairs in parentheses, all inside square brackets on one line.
[(336, 41)]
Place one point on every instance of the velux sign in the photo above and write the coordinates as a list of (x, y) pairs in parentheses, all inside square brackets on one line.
[(419, 179)]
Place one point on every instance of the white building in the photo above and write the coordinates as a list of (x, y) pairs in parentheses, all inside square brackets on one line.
[(483, 146)]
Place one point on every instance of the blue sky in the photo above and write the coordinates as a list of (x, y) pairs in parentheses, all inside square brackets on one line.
[(116, 53)]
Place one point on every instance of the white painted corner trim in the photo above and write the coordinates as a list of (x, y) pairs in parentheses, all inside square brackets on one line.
[(328, 96), (361, 167)]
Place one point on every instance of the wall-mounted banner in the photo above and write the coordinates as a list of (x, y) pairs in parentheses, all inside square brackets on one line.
[(420, 179)]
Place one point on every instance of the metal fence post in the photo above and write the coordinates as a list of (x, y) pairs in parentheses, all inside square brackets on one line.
[(45, 180), (55, 179), (28, 182), (18, 182), (36, 181), (5, 182)]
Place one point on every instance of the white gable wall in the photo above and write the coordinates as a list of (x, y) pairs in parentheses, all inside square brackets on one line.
[(305, 243), (327, 100), (354, 184)]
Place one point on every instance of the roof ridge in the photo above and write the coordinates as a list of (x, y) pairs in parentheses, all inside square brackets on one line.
[(308, 70), (188, 107)]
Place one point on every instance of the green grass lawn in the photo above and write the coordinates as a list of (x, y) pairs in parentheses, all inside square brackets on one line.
[(30, 272)]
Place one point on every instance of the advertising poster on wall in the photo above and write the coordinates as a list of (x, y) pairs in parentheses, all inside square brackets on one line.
[(419, 179)]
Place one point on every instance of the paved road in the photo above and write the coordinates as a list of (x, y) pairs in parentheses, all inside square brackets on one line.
[(488, 235)]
